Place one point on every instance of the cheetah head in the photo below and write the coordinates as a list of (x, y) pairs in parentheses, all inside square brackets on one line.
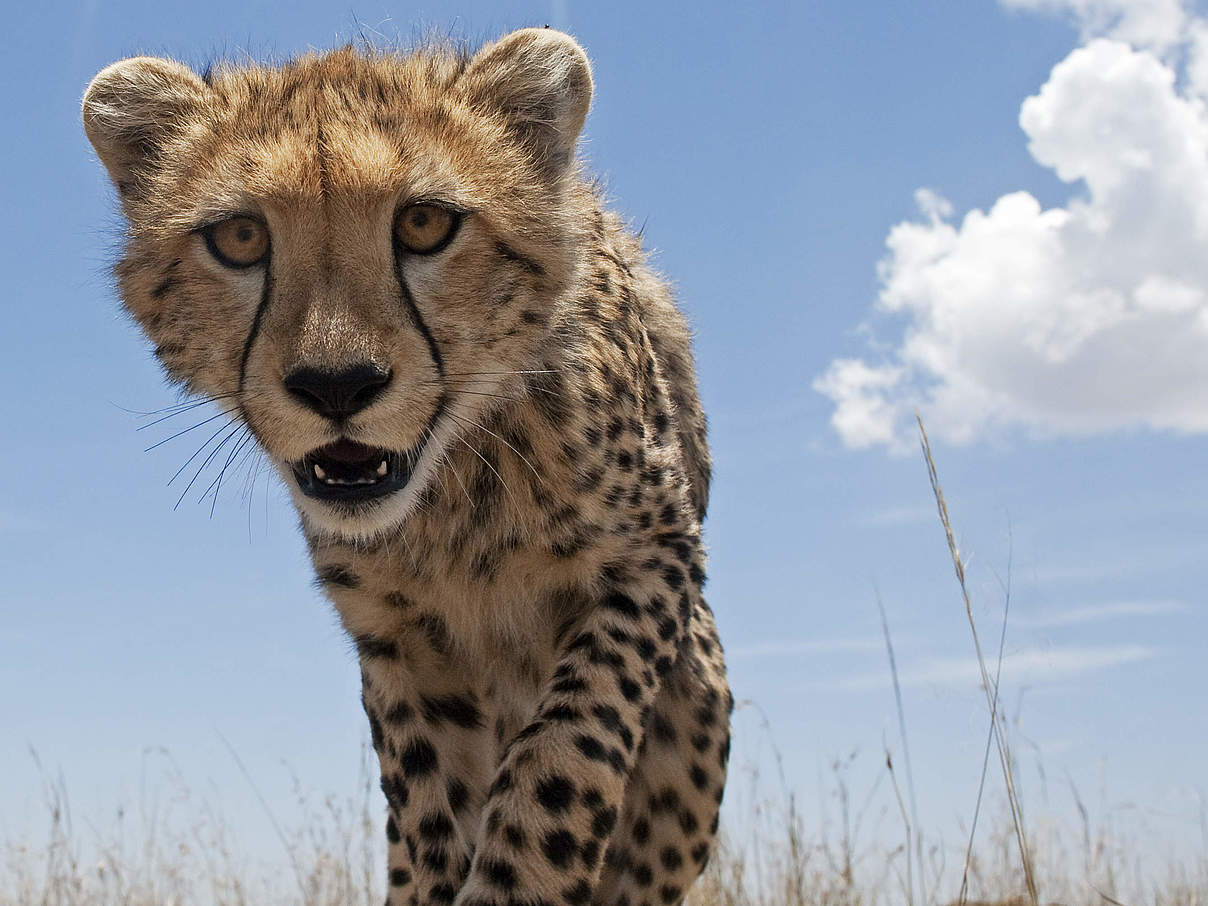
[(355, 253)]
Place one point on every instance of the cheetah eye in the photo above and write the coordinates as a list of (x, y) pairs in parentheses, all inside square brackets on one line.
[(238, 242), (425, 228)]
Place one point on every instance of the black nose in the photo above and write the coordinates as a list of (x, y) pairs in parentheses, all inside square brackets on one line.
[(337, 394)]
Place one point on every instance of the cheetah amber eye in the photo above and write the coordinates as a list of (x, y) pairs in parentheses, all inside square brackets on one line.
[(425, 228), (238, 242)]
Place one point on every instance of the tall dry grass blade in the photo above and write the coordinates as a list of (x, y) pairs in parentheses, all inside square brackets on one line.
[(989, 690), (914, 807), (289, 850), (981, 783)]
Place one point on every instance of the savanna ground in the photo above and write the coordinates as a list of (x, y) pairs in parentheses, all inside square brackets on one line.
[(173, 847)]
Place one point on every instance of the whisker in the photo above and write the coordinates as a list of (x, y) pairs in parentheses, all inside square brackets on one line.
[(178, 409), (207, 461), (532, 468), (187, 430), (197, 453), (473, 373), (487, 463), (445, 459), (217, 483), (494, 396)]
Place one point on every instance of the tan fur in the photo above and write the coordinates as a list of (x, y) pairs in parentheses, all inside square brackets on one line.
[(551, 528)]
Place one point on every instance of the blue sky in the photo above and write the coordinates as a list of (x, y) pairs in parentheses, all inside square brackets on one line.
[(774, 153)]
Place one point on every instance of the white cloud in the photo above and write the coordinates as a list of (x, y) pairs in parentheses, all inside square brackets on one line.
[(1034, 666), (1155, 24), (1074, 320)]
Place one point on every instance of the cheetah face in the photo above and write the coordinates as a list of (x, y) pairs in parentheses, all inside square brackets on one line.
[(355, 254)]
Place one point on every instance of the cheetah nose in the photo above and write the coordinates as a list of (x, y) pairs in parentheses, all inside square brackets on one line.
[(337, 394)]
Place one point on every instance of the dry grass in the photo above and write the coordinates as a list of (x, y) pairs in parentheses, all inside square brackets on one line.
[(173, 847)]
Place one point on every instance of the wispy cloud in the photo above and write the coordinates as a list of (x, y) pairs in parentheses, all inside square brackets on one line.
[(1033, 665), (1094, 613), (806, 646)]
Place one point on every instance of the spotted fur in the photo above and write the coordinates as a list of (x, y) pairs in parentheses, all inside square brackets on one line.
[(542, 677)]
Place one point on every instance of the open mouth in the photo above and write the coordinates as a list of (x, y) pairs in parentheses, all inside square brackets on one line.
[(346, 471)]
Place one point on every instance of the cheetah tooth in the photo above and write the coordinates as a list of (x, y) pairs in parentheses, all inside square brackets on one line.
[(381, 469), (319, 473)]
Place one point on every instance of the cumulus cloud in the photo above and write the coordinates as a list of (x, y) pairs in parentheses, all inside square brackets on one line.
[(1155, 24), (1075, 320)]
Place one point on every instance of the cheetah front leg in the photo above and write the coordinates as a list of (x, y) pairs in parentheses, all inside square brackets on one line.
[(560, 787), (428, 738)]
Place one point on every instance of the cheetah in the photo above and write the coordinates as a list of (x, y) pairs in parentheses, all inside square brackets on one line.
[(391, 269)]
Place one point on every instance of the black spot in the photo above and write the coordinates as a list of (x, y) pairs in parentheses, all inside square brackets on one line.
[(165, 287), (399, 601), (667, 629), (673, 576), (435, 826), (418, 758), (560, 847), (631, 690), (569, 684), (560, 713), (700, 741), (370, 646), (399, 877), (591, 747), (396, 793), (514, 834), (669, 893), (398, 714), (590, 854), (622, 604), (577, 895), (443, 893), (688, 823), (457, 709), (699, 779), (604, 821), (700, 853), (340, 576), (500, 873), (661, 729), (555, 793), (392, 834), (458, 794), (641, 831), (667, 800), (506, 252), (436, 858), (671, 858), (643, 874), (436, 630)]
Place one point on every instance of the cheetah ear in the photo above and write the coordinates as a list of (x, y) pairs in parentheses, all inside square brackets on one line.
[(540, 80), (132, 108)]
